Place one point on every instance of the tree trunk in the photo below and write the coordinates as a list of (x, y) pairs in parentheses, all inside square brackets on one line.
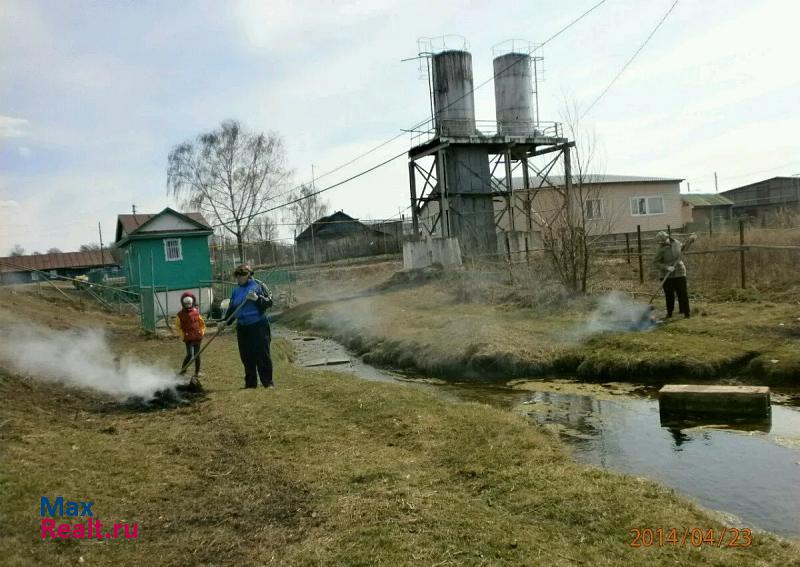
[(240, 246)]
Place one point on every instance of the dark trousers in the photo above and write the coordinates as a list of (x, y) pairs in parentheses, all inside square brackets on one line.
[(673, 286), (192, 348), (254, 351)]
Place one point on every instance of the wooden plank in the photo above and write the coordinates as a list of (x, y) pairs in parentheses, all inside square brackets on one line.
[(327, 362)]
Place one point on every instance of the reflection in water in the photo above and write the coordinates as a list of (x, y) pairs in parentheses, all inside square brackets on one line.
[(679, 436), (723, 468), (736, 467)]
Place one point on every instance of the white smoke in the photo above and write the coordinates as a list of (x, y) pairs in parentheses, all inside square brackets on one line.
[(80, 358), (616, 312)]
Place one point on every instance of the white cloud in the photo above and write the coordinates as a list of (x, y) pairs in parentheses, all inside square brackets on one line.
[(24, 151), (11, 127)]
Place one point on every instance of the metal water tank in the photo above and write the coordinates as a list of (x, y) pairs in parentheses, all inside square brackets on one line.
[(453, 99), (513, 95)]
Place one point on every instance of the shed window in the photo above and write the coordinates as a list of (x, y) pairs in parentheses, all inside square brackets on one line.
[(172, 249), (647, 206)]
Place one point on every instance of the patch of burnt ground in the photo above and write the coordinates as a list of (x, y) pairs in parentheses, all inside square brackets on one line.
[(167, 398)]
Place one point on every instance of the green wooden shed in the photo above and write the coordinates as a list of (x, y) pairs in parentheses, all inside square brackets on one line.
[(165, 254)]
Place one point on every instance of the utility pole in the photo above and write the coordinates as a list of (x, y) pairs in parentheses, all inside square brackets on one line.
[(716, 187), (313, 189), (133, 207), (100, 230), (294, 245)]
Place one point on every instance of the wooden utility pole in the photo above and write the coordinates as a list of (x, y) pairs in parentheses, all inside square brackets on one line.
[(716, 187), (313, 241), (100, 230)]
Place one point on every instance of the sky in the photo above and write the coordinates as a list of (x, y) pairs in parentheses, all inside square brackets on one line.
[(94, 94)]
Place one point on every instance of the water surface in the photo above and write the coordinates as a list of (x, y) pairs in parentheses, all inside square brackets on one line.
[(748, 469)]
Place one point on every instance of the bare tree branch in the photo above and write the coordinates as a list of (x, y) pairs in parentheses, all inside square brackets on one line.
[(229, 174)]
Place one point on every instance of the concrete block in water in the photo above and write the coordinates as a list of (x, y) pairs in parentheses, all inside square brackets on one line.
[(726, 400)]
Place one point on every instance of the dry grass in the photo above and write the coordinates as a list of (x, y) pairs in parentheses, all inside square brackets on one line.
[(450, 327), (325, 470)]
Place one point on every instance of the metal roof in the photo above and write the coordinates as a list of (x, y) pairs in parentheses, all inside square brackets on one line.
[(594, 179), (336, 225), (132, 222), (706, 200), (56, 261), (128, 225)]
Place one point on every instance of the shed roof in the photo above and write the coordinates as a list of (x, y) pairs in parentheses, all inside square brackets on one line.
[(127, 225), (56, 261), (336, 225), (706, 200)]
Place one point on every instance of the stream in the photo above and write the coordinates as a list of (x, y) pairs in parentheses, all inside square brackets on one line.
[(747, 470)]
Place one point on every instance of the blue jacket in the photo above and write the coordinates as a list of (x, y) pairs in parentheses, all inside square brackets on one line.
[(253, 311)]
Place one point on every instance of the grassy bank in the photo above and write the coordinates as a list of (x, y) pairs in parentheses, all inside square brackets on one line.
[(431, 329), (324, 470)]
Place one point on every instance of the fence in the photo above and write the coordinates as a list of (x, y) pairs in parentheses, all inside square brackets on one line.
[(742, 257)]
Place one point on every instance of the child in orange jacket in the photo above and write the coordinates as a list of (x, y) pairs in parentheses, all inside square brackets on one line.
[(190, 326)]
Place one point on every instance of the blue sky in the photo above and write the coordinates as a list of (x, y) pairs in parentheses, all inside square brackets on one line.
[(93, 94)]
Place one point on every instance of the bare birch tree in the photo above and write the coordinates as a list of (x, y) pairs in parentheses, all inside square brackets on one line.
[(228, 174), (308, 209)]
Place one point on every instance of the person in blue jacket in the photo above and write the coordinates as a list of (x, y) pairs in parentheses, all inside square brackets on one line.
[(252, 326)]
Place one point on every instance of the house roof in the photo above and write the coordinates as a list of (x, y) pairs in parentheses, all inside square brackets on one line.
[(706, 200), (594, 179), (127, 225), (56, 261), (336, 225), (794, 179)]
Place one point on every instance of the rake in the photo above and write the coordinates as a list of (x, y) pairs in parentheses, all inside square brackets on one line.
[(211, 340)]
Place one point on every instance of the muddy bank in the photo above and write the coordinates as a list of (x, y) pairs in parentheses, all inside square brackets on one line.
[(474, 343)]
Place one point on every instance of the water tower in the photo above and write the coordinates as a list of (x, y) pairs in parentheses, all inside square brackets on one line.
[(460, 167)]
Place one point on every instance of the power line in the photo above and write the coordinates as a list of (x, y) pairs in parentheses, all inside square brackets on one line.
[(304, 197), (529, 52), (624, 67), (390, 140), (466, 94)]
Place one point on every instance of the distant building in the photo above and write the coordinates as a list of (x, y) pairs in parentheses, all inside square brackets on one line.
[(706, 210), (611, 204), (166, 254), (339, 236), (32, 268), (766, 200)]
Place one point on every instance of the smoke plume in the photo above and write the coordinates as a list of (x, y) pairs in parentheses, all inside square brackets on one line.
[(616, 312), (79, 358)]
